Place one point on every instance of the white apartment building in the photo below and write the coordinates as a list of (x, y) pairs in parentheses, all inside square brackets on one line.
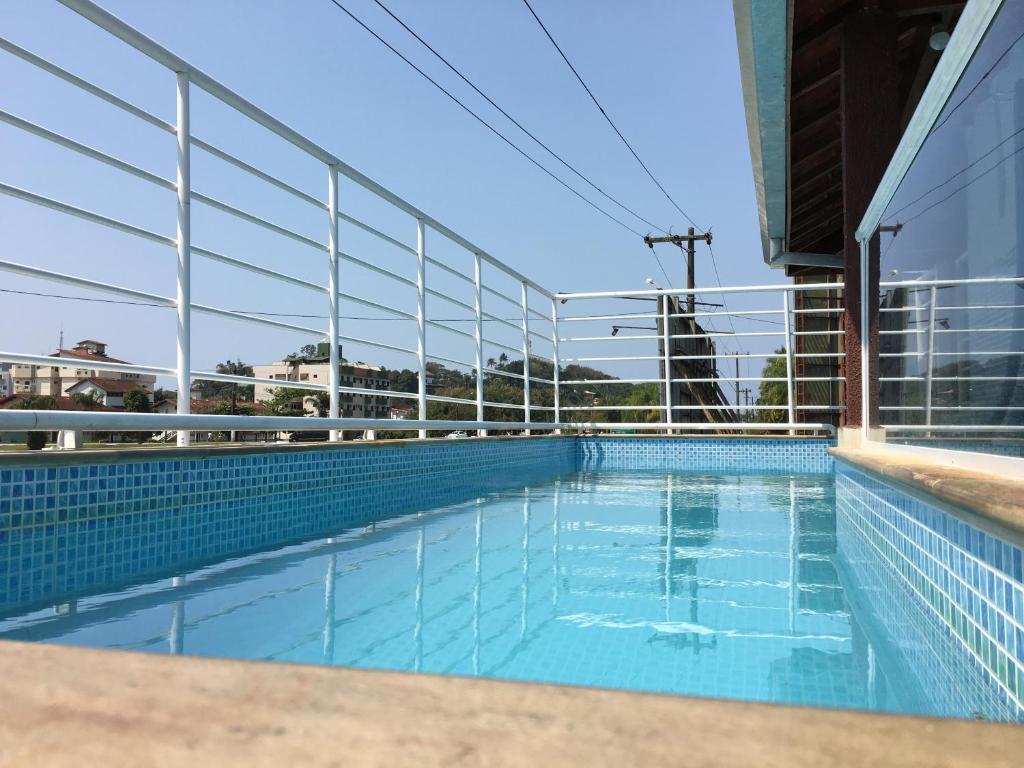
[(315, 369), (57, 380), (5, 380)]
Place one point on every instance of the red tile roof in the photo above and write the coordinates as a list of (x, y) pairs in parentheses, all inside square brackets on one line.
[(110, 386), (85, 354)]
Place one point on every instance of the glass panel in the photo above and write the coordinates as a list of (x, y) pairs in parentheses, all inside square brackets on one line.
[(952, 353)]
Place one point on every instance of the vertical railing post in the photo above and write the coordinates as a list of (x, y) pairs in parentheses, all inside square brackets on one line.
[(334, 376), (931, 353), (667, 359), (557, 363), (790, 409), (421, 320), (526, 353), (478, 302), (184, 280)]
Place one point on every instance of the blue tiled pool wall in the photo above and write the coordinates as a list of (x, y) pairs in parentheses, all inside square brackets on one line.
[(760, 454), (965, 581), (69, 528)]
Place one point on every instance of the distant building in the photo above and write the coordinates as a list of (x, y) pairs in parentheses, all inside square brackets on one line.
[(402, 411), (58, 380), (6, 382), (315, 369)]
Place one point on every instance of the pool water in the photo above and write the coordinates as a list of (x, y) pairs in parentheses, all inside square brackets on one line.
[(726, 585)]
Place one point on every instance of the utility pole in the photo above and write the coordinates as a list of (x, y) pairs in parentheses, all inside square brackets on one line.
[(689, 239)]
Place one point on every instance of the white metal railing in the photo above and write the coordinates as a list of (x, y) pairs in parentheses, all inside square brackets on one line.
[(536, 329), (919, 322), (674, 328)]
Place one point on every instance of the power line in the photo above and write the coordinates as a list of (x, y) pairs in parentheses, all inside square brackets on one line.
[(606, 117), (975, 87), (514, 121), (966, 168), (479, 119), (618, 132)]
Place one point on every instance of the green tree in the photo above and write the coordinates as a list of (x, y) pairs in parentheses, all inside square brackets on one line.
[(136, 401), (287, 401), (773, 392), (87, 401), (233, 389)]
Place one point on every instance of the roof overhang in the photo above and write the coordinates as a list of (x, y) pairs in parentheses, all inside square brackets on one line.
[(762, 38)]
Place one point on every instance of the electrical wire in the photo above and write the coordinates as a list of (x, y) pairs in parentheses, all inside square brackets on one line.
[(975, 87), (606, 117), (516, 122), (483, 122)]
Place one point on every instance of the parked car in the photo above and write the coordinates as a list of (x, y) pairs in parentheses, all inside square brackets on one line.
[(456, 435)]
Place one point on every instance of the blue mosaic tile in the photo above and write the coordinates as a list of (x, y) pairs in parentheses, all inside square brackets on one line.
[(759, 454), (69, 528), (968, 579)]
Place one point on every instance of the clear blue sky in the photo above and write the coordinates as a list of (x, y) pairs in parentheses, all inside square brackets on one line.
[(666, 72)]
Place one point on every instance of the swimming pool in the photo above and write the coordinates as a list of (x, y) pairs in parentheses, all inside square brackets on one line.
[(599, 568)]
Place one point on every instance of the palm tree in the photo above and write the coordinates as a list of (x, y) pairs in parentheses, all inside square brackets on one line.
[(502, 358), (234, 368)]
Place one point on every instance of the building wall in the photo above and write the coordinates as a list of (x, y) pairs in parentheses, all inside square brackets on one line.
[(355, 406), (55, 380)]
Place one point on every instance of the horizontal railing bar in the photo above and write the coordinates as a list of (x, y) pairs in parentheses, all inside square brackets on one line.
[(641, 337), (537, 313), (450, 270), (449, 329), (819, 333), (509, 323), (583, 318), (500, 295), (374, 268), (87, 151), (818, 311), (373, 231), (506, 374), (255, 268), (972, 353), (729, 313), (565, 383), (606, 359), (450, 300), (446, 399), (450, 360), (85, 85), (502, 346), (81, 282), (924, 308), (724, 333), (231, 314), (818, 354), (794, 287), (378, 344), (289, 384), (253, 219), (952, 281), (77, 362), (614, 407), (950, 408), (377, 306), (924, 329), (31, 420), (253, 170), (82, 213), (133, 37), (953, 427)]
